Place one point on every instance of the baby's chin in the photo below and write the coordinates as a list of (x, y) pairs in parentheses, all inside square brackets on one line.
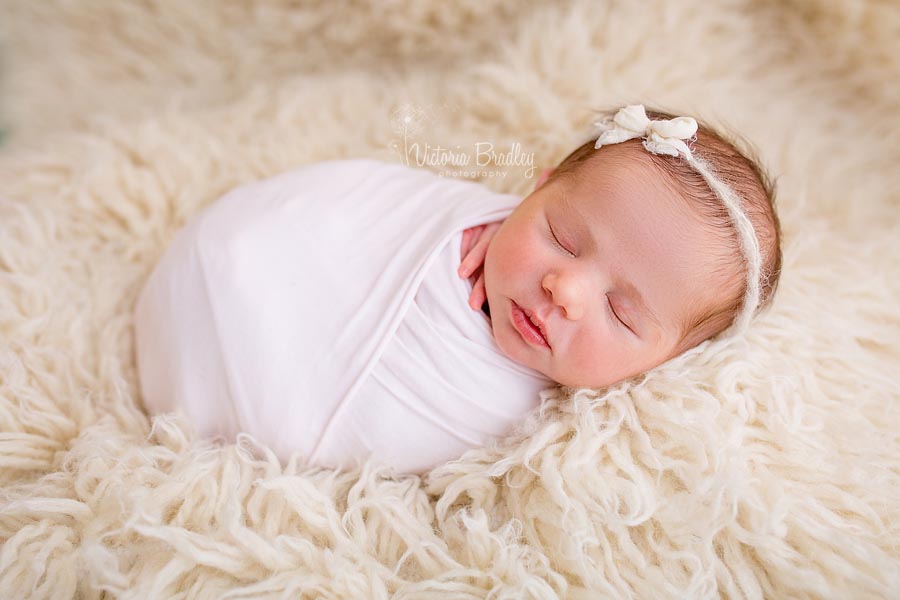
[(518, 360)]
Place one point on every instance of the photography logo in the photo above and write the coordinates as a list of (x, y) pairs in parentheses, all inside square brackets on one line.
[(475, 160)]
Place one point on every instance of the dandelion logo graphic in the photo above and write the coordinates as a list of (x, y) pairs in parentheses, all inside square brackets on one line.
[(406, 121)]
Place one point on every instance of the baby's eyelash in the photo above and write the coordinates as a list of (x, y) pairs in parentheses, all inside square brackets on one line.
[(556, 239), (615, 316)]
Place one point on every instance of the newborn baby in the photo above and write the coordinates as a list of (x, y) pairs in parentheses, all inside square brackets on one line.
[(621, 259), (325, 311)]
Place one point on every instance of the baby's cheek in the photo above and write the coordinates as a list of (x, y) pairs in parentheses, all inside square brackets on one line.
[(595, 349)]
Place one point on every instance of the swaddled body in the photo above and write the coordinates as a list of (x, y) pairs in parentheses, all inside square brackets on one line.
[(320, 312)]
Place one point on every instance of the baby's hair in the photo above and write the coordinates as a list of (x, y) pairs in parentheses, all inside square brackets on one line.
[(740, 169)]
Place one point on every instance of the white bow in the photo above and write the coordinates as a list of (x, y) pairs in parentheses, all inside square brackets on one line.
[(663, 136)]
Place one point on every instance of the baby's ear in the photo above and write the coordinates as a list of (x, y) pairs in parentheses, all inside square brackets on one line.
[(542, 178)]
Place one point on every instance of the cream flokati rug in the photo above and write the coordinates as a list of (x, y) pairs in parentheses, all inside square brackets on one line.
[(769, 468)]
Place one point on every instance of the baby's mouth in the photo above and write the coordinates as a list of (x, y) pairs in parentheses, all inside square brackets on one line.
[(537, 328)]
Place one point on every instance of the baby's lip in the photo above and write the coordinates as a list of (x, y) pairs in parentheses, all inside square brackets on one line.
[(532, 316)]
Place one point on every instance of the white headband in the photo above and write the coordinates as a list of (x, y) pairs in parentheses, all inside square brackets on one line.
[(666, 136)]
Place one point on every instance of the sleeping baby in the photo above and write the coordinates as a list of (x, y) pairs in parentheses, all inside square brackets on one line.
[(355, 308)]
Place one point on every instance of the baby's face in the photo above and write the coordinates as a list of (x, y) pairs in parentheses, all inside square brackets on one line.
[(622, 234)]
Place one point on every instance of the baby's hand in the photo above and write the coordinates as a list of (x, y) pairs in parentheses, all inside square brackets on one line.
[(475, 241)]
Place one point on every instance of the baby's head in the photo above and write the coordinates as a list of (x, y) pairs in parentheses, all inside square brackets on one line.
[(626, 258)]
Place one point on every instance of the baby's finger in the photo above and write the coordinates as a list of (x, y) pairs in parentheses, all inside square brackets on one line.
[(465, 268), (466, 241), (478, 296), (470, 236), (474, 235), (479, 251), (469, 263)]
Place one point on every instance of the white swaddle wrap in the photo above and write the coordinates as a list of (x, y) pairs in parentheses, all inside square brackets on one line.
[(320, 312)]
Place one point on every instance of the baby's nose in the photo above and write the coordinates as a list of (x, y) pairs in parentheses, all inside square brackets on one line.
[(573, 311), (567, 293)]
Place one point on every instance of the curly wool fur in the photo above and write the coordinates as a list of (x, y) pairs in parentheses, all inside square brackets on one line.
[(764, 467)]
